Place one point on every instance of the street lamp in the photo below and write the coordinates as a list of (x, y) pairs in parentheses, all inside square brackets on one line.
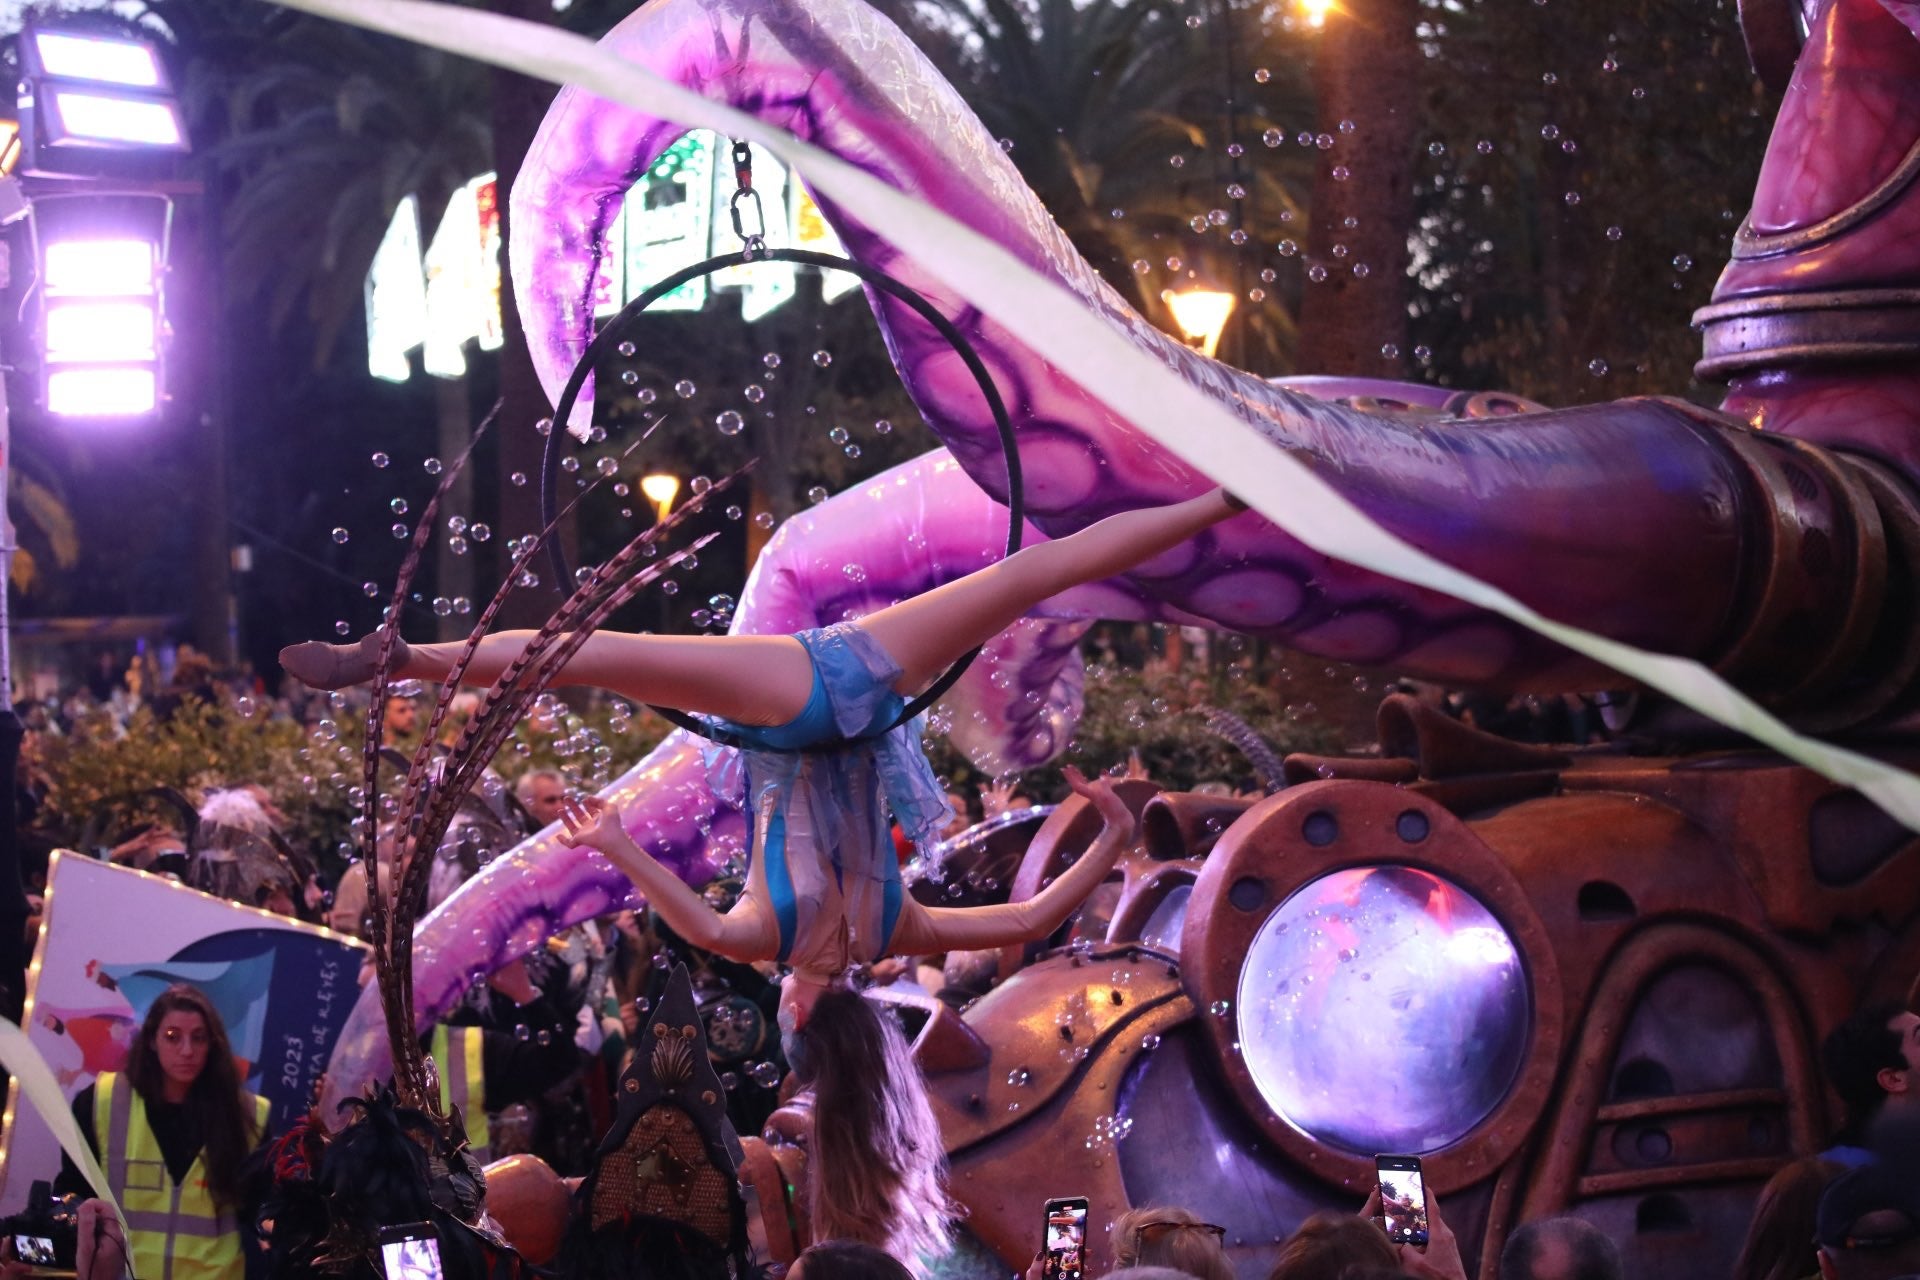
[(660, 489), (1201, 312), (1316, 11)]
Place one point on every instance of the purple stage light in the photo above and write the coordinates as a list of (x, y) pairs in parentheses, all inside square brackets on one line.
[(100, 268), (82, 117), (95, 332), (102, 392), (98, 59), (102, 326)]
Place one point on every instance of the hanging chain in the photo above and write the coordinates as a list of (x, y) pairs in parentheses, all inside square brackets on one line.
[(754, 243)]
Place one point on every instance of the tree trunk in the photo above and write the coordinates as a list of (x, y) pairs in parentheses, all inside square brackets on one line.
[(1365, 72), (519, 104)]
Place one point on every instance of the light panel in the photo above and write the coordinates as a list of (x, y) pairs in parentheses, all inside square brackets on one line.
[(98, 59), (100, 267), (100, 119), (100, 331), (102, 392)]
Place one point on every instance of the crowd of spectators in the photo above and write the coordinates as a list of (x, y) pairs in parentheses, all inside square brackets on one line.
[(554, 1029)]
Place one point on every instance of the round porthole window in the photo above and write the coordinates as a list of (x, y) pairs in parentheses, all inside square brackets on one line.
[(1383, 1009)]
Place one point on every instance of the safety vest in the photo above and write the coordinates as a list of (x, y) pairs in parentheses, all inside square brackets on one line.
[(174, 1230), (463, 1082)]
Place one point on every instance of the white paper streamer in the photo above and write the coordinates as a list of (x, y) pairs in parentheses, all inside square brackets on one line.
[(1151, 397), (34, 1078)]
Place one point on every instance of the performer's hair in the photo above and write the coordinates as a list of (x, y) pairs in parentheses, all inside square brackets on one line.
[(876, 1168), (214, 1103)]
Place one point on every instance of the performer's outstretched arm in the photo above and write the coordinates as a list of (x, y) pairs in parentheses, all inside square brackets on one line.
[(746, 933), (925, 930)]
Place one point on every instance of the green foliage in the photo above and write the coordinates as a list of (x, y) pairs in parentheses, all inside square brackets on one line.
[(102, 777), (1124, 118), (1586, 168), (1162, 715)]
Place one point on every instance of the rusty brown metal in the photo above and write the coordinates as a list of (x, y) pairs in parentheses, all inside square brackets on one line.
[(1185, 825), (1627, 883), (1273, 849), (1564, 1175)]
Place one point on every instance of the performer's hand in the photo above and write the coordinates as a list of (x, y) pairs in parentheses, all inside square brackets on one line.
[(1112, 809), (591, 821)]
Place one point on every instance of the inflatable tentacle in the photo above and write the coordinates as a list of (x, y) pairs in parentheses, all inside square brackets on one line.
[(1530, 503)]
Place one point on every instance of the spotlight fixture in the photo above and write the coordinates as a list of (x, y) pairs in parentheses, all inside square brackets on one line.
[(102, 326), (93, 105)]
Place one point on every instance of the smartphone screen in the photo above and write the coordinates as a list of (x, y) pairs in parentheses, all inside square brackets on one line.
[(34, 1250), (1065, 1249), (410, 1252), (1403, 1199)]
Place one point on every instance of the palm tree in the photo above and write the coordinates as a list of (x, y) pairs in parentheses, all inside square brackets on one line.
[(1123, 116), (324, 130)]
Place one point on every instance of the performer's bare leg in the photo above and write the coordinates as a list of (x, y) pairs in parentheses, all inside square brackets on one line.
[(755, 680), (926, 633), (766, 680)]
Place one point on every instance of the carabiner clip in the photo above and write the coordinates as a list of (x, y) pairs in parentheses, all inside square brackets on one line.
[(753, 243)]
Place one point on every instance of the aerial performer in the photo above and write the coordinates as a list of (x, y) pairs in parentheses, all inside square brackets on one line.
[(817, 715), (826, 761)]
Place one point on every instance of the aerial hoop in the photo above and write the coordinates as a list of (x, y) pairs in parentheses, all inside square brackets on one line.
[(610, 336)]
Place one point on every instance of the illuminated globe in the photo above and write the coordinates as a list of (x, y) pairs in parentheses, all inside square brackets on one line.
[(1383, 1009)]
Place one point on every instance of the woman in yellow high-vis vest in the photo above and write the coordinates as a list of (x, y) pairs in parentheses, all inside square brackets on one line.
[(172, 1133)]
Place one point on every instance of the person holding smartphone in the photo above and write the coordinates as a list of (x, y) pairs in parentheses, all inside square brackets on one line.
[(1439, 1258)]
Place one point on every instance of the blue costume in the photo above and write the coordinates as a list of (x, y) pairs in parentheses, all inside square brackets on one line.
[(823, 851)]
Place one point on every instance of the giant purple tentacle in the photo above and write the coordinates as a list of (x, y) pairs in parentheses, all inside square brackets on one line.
[(1530, 503)]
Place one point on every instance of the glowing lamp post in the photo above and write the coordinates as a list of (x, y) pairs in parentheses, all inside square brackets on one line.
[(1202, 315), (95, 147), (660, 489)]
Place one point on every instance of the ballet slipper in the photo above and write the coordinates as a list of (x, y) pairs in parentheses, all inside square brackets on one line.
[(336, 666)]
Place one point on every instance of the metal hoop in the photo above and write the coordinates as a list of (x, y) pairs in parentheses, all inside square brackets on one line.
[(608, 337)]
